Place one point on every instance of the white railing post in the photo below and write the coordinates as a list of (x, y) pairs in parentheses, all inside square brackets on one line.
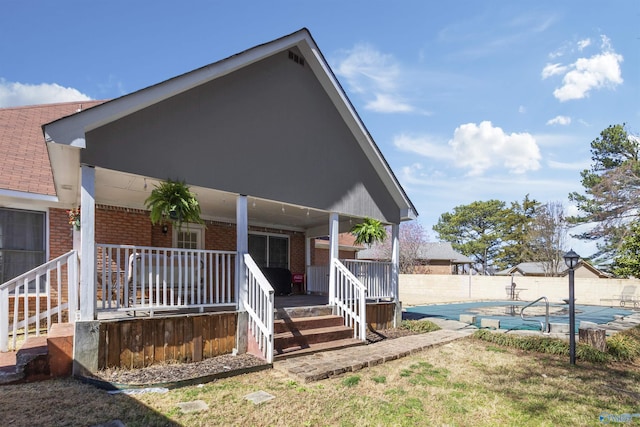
[(72, 285)]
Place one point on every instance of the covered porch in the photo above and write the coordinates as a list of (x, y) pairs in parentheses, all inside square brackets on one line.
[(271, 173)]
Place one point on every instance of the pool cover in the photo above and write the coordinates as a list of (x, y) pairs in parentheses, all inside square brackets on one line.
[(508, 312)]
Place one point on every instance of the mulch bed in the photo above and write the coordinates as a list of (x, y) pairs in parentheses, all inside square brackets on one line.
[(182, 373)]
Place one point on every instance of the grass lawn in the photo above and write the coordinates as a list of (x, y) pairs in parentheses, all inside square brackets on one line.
[(464, 383)]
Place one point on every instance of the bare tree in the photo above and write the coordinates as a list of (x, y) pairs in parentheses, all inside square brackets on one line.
[(548, 237), (412, 236)]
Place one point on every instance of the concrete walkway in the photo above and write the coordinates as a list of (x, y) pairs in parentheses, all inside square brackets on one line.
[(318, 366)]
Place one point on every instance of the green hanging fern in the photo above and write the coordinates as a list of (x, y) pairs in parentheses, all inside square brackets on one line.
[(173, 200), (369, 231)]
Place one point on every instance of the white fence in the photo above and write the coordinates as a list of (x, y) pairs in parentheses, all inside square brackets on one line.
[(131, 278), (260, 307), (417, 289), (56, 281)]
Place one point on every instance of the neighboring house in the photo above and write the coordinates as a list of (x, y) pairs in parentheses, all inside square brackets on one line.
[(582, 270), (441, 258), (347, 247), (432, 258), (275, 153)]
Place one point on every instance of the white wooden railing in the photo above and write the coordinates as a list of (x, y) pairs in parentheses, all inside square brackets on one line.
[(143, 278), (259, 305), (374, 275), (57, 281), (350, 300)]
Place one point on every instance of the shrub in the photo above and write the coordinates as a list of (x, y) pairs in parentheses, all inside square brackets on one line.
[(623, 346), (552, 346), (419, 326)]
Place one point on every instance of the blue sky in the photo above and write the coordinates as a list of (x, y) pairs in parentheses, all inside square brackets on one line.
[(468, 100)]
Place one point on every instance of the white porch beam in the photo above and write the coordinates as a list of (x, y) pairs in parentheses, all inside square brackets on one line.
[(87, 243), (334, 225), (242, 247)]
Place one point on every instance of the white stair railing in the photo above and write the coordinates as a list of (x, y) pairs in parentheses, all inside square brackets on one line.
[(350, 300), (57, 281), (259, 304)]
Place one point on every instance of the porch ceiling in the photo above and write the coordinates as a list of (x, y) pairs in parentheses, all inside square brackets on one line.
[(130, 191)]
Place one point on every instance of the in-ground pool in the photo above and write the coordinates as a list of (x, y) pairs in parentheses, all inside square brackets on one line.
[(508, 312)]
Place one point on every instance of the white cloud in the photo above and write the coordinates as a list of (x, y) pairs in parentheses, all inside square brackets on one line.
[(477, 148), (568, 166), (16, 94), (423, 145), (585, 74), (387, 103), (582, 44), (552, 70), (483, 146), (560, 120), (376, 76)]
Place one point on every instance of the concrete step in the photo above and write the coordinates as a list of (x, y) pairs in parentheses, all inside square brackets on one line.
[(306, 337), (33, 359), (303, 323), (40, 358), (310, 311), (8, 372)]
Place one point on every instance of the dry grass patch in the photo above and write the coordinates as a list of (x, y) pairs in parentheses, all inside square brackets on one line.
[(467, 382)]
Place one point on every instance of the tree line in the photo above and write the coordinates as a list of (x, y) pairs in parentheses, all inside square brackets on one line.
[(497, 235)]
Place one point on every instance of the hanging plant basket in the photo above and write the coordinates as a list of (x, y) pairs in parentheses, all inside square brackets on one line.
[(369, 231), (173, 201)]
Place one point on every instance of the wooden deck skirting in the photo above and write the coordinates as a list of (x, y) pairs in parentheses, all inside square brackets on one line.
[(380, 315), (141, 342)]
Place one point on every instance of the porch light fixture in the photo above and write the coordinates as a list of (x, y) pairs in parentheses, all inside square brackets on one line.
[(165, 229), (571, 259)]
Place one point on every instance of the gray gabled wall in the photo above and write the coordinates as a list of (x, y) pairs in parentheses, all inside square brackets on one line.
[(268, 130)]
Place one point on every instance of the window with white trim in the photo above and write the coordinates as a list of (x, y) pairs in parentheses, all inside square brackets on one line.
[(190, 236), (22, 242)]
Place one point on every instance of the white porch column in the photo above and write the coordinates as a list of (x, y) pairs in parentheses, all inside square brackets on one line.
[(395, 271), (242, 247), (395, 258), (87, 244), (307, 262), (334, 226)]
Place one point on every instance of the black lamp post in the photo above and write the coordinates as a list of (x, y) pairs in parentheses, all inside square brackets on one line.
[(571, 259)]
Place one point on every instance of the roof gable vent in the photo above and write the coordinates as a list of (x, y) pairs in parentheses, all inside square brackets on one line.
[(298, 59)]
